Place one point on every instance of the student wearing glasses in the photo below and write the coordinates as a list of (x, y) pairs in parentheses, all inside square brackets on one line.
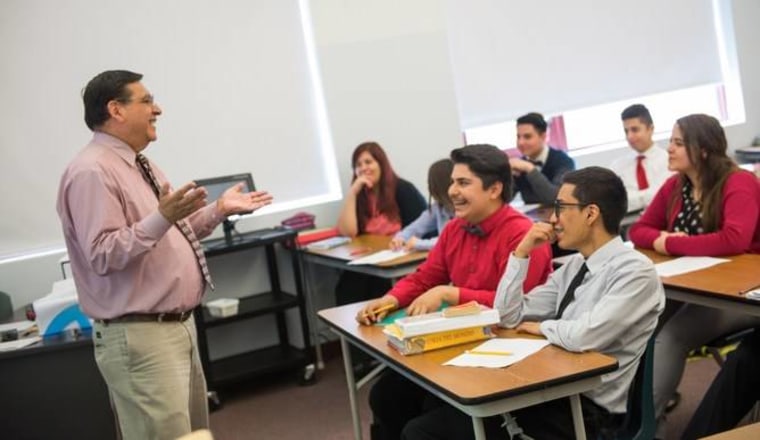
[(606, 298), (710, 207)]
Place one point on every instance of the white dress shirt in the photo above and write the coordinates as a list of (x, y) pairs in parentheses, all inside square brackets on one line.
[(614, 312), (656, 168)]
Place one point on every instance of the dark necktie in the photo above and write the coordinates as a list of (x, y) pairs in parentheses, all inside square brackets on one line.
[(537, 163), (184, 227), (570, 295), (641, 174), (474, 230)]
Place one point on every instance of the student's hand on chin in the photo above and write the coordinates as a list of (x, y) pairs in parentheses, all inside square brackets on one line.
[(537, 235)]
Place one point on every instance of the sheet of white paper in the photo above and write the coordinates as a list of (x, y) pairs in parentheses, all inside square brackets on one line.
[(379, 257), (19, 343), (519, 349), (20, 326), (686, 264)]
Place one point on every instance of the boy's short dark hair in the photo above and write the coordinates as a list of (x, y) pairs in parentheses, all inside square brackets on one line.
[(105, 87), (637, 111), (603, 188), (535, 119), (489, 163)]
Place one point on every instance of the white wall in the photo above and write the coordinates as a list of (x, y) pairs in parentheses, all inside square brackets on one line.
[(386, 77)]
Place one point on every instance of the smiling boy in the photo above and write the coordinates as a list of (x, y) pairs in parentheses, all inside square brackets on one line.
[(465, 264)]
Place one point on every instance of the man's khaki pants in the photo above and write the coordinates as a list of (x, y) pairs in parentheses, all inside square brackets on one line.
[(154, 376)]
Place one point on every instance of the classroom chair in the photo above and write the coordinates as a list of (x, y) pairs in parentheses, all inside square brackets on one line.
[(639, 421), (716, 347)]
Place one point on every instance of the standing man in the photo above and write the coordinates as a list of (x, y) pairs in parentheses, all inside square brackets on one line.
[(539, 172), (137, 262), (606, 298), (644, 169)]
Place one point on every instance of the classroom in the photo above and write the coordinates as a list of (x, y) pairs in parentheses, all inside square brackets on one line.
[(285, 90)]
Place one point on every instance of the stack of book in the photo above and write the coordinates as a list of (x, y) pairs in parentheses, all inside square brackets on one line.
[(454, 325)]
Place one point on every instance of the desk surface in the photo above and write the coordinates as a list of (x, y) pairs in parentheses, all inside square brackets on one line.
[(743, 433), (370, 243), (471, 386), (728, 280)]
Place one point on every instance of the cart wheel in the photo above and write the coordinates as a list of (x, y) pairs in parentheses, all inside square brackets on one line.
[(308, 376)]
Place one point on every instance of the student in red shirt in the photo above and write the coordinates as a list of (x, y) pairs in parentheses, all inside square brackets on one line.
[(465, 264)]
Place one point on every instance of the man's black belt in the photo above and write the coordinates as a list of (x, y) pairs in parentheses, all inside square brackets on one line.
[(148, 317)]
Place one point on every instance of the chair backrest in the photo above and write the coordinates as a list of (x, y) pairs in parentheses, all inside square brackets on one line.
[(640, 421), (6, 307)]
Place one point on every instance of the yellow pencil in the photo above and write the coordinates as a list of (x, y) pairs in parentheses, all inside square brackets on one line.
[(489, 353), (382, 309)]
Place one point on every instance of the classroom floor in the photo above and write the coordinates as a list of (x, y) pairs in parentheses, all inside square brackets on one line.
[(278, 408)]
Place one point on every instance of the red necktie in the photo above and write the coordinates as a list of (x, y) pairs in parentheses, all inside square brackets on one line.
[(641, 174)]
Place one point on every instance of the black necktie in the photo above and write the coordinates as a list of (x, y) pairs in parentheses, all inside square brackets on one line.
[(474, 230), (537, 163), (182, 224), (570, 295)]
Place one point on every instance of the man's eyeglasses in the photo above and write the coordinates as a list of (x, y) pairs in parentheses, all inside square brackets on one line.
[(147, 99), (560, 205)]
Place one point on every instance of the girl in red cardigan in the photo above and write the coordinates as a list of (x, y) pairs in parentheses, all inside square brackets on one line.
[(710, 207)]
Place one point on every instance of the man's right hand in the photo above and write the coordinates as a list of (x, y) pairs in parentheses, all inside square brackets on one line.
[(537, 235), (176, 205), (370, 315)]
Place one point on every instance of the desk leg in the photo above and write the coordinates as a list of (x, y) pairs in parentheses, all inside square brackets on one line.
[(575, 406), (311, 311), (477, 426), (344, 347)]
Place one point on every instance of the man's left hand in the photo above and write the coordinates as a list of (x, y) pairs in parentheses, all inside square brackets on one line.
[(530, 327), (430, 301), (235, 201)]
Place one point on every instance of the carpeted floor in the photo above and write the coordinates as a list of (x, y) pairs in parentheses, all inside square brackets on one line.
[(278, 408)]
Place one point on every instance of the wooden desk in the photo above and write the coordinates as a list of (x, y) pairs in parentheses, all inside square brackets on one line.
[(743, 433), (721, 286), (550, 374), (338, 258)]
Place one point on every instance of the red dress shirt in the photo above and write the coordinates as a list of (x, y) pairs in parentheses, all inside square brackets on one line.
[(475, 263)]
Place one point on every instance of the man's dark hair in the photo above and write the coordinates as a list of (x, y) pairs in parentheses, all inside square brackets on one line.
[(603, 188), (534, 119), (489, 163), (637, 111), (105, 87)]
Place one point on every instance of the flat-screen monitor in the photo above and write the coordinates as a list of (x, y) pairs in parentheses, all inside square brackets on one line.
[(216, 186)]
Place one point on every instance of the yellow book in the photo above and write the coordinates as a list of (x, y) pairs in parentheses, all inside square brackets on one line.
[(433, 341)]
